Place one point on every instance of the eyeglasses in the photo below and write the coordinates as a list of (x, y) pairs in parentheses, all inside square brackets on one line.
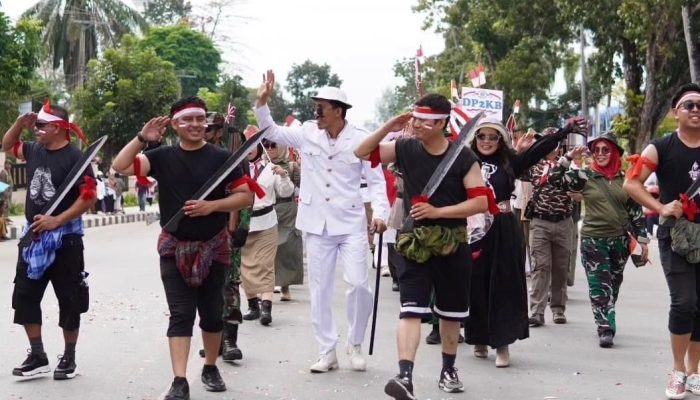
[(689, 105), (601, 150), (482, 137), (269, 145), (41, 125)]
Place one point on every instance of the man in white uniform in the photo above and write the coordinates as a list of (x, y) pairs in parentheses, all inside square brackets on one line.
[(332, 215)]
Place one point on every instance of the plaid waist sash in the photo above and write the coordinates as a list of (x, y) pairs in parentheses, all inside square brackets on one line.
[(41, 253), (194, 259)]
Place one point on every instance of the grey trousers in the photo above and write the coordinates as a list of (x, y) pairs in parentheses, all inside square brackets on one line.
[(550, 255)]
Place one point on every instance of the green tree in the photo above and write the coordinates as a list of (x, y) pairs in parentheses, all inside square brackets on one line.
[(195, 58), (303, 81), (76, 30), (126, 88), (20, 49), (231, 90), (166, 12)]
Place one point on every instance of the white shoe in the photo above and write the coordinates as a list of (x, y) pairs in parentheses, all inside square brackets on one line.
[(325, 363), (357, 361), (385, 271), (692, 384)]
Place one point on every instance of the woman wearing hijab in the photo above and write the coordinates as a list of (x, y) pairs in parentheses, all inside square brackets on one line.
[(289, 267), (498, 312), (258, 253), (611, 218)]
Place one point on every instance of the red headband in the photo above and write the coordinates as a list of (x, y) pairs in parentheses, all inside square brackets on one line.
[(46, 115)]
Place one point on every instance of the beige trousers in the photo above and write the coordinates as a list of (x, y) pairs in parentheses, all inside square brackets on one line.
[(550, 253)]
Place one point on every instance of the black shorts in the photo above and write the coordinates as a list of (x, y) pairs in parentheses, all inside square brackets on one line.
[(184, 301), (450, 276), (65, 275)]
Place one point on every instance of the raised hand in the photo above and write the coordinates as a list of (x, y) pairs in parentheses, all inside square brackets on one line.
[(266, 88), (154, 130), (26, 120), (399, 122), (577, 152), (578, 125)]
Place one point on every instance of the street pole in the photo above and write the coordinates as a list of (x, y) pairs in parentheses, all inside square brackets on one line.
[(689, 41)]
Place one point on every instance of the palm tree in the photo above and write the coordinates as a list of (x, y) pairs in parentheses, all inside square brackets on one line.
[(75, 30)]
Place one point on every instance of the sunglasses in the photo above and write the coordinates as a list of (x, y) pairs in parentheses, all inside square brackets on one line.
[(482, 137), (41, 125), (210, 128), (269, 145), (601, 150), (689, 105)]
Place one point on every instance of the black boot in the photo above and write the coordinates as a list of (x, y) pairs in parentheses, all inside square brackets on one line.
[(253, 310), (266, 312), (231, 351)]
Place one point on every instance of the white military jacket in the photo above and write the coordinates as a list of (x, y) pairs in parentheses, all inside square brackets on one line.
[(329, 197)]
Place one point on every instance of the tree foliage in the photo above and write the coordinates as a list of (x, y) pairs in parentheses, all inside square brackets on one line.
[(20, 48), (126, 88), (231, 90), (166, 12), (76, 30), (303, 81), (195, 58)]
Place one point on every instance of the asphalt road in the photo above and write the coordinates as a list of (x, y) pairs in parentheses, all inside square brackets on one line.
[(123, 353)]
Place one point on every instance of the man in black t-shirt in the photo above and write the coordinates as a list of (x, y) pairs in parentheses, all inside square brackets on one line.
[(56, 253), (194, 259), (443, 264), (676, 161)]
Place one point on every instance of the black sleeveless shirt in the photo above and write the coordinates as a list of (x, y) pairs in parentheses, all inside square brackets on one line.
[(678, 167)]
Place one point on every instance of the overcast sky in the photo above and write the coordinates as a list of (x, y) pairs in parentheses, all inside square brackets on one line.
[(359, 39)]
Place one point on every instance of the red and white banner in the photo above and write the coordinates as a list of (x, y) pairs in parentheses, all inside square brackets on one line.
[(458, 118)]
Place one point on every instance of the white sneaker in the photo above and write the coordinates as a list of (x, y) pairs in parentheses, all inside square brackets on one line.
[(385, 271), (325, 363), (692, 384), (675, 390), (357, 361)]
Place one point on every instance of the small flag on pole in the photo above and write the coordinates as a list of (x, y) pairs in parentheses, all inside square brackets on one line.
[(230, 114), (458, 118), (474, 77), (482, 74), (516, 107)]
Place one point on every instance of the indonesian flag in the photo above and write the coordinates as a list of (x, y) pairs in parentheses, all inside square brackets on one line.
[(516, 107), (419, 61), (453, 90), (474, 77), (458, 118), (292, 122), (481, 71)]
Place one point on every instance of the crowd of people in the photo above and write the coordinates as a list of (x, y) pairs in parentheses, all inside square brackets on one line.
[(481, 257)]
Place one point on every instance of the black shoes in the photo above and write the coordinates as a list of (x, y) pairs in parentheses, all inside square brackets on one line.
[(33, 365), (433, 337), (66, 368), (212, 379), (179, 390), (266, 312), (400, 388), (606, 340), (230, 351), (449, 381), (253, 310)]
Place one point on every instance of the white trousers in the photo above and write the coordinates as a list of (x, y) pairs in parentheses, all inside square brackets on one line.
[(322, 252)]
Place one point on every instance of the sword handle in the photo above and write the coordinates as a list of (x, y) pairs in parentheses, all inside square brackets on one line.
[(408, 224)]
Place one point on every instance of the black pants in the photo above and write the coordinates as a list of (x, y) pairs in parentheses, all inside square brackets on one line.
[(683, 281), (184, 301), (65, 275)]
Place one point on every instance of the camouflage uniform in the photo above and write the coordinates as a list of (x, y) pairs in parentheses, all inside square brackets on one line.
[(232, 293), (604, 261)]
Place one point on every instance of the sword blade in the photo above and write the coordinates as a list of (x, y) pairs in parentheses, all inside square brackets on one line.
[(445, 164), (694, 189), (73, 175), (226, 168)]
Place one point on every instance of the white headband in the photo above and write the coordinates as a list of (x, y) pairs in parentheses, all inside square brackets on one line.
[(687, 96), (428, 113), (193, 110), (44, 116)]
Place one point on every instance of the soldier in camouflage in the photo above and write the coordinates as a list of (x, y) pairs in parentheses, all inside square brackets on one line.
[(611, 219)]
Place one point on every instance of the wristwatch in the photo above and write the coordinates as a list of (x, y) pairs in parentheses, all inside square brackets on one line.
[(141, 139)]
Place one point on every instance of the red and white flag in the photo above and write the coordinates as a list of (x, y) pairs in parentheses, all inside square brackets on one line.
[(482, 74), (458, 118), (474, 78), (419, 61), (511, 124), (516, 107)]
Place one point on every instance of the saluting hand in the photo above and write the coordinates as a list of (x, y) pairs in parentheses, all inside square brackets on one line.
[(26, 120), (44, 223), (198, 208), (154, 130), (399, 122)]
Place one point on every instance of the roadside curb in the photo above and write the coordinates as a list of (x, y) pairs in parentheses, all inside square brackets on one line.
[(95, 221)]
